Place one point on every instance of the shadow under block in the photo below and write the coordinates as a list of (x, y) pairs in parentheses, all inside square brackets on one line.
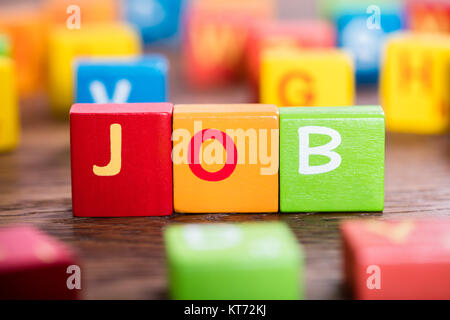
[(121, 159), (231, 164), (92, 40), (284, 34), (125, 80), (415, 83), (248, 261), (34, 265), (9, 106), (332, 159), (291, 77), (405, 259)]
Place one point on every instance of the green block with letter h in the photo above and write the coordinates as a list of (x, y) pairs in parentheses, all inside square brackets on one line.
[(332, 159), (246, 261)]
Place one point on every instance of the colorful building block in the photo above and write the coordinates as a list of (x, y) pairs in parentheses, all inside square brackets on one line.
[(59, 11), (89, 41), (225, 158), (248, 261), (5, 45), (296, 33), (332, 159), (292, 77), (392, 260), (415, 82), (155, 19), (122, 80), (9, 106), (121, 159), (428, 15), (34, 265), (213, 44), (25, 28)]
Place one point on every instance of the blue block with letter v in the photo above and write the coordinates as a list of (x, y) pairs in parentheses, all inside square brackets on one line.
[(122, 80)]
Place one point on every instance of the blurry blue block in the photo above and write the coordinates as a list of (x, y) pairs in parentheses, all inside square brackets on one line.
[(121, 80), (366, 43), (155, 19)]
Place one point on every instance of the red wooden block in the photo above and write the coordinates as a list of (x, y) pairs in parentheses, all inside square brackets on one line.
[(397, 260), (428, 15), (121, 159), (276, 34), (34, 265), (213, 44)]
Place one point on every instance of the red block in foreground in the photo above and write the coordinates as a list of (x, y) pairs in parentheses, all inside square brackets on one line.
[(34, 265), (397, 260), (294, 34), (121, 159)]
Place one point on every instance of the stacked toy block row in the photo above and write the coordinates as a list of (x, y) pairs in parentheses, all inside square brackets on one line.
[(225, 158)]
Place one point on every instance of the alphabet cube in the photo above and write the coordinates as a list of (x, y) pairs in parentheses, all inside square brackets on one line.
[(415, 82), (63, 12), (155, 19), (34, 265), (332, 159), (225, 158), (428, 15), (296, 34), (121, 159), (291, 77), (404, 259), (9, 107), (25, 28), (89, 41), (122, 80), (213, 45), (234, 261)]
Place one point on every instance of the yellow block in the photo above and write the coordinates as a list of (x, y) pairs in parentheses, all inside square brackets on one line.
[(91, 40), (295, 77), (233, 161), (415, 83), (9, 110)]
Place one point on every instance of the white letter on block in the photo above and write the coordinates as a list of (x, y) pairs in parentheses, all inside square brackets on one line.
[(326, 150)]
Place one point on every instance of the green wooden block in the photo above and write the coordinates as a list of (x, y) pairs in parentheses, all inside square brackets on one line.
[(234, 261), (5, 48), (332, 159)]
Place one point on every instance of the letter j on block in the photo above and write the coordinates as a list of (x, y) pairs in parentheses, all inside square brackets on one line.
[(332, 159), (121, 159)]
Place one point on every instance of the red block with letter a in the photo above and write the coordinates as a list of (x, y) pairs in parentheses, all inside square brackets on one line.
[(34, 265), (121, 159), (405, 259), (428, 15), (275, 34)]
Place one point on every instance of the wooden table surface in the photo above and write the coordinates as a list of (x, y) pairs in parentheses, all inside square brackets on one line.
[(123, 258)]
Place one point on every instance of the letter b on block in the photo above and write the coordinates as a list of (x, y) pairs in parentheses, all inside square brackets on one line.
[(331, 159)]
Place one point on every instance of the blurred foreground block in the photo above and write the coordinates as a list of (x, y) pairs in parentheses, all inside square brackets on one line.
[(234, 261), (121, 159), (34, 265), (9, 106), (91, 11), (429, 15), (155, 19), (291, 77), (215, 37), (225, 158), (405, 259), (415, 83), (5, 45), (332, 159), (121, 80), (25, 28), (103, 40), (281, 34)]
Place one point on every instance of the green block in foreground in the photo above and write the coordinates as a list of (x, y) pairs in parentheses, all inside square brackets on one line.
[(332, 159), (245, 261), (5, 48)]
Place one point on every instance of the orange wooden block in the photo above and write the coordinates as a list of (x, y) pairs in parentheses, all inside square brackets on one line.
[(215, 38), (225, 158), (91, 11), (26, 31)]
